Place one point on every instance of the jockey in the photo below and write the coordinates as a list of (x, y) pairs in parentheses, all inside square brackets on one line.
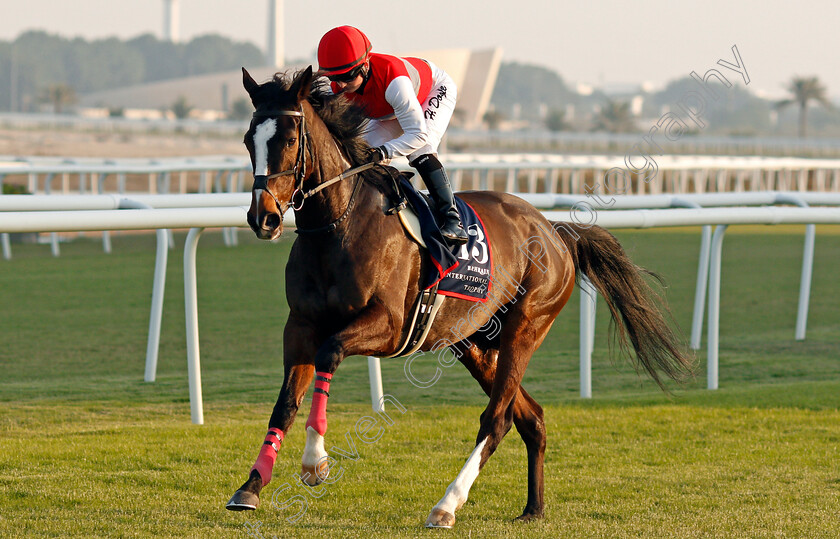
[(409, 102)]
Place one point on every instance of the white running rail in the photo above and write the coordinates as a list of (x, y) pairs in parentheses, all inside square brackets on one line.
[(198, 218)]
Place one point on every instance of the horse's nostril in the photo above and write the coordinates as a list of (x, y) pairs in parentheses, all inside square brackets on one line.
[(271, 221)]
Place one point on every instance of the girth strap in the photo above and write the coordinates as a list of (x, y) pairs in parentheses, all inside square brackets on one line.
[(428, 305)]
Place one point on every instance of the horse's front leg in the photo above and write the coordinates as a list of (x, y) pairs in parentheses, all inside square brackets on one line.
[(371, 330), (314, 466), (298, 350)]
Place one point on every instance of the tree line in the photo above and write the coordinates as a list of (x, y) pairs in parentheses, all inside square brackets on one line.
[(528, 95), (39, 67)]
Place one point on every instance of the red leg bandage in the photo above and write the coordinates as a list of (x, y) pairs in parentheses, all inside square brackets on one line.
[(318, 413), (268, 454)]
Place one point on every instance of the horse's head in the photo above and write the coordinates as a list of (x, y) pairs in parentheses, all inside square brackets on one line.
[(276, 141)]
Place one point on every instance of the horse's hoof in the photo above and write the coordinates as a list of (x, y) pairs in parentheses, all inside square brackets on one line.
[(243, 500), (528, 517), (440, 519), (309, 476)]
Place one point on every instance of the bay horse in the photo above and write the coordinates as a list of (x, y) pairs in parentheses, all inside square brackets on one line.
[(352, 279)]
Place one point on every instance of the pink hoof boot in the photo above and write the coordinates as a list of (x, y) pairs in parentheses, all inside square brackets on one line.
[(440, 519)]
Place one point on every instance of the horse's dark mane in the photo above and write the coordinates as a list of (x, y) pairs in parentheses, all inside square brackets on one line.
[(344, 119)]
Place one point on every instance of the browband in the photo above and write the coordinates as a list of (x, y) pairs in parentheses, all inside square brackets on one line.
[(272, 113)]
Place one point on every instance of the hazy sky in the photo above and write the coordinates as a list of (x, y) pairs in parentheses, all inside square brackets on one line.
[(595, 41)]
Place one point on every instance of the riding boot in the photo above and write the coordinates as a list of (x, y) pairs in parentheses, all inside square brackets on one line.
[(434, 176)]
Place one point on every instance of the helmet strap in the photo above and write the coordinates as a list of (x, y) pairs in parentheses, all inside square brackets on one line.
[(365, 73)]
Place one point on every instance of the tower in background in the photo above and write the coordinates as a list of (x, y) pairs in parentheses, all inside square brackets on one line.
[(274, 50), (170, 20), (274, 53)]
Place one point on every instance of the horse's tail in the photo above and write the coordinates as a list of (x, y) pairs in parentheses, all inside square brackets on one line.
[(633, 304)]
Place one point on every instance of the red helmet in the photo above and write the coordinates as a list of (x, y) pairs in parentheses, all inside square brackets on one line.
[(341, 49)]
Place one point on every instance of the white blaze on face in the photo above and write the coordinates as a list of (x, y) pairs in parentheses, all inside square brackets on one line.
[(262, 134)]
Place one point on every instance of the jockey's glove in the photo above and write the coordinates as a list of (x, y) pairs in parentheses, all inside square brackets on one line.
[(375, 155)]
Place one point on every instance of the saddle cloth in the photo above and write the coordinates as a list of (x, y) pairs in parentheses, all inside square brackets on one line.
[(463, 271)]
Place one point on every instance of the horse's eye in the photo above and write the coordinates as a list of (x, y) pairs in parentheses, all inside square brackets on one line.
[(291, 142)]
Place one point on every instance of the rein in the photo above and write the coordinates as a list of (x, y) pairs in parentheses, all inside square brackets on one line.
[(332, 226), (344, 175)]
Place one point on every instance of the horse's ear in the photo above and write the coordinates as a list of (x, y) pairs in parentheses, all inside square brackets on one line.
[(407, 175), (249, 83), (302, 84)]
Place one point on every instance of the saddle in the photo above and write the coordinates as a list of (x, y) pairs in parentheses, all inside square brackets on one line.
[(411, 224), (461, 271), (407, 203), (428, 301)]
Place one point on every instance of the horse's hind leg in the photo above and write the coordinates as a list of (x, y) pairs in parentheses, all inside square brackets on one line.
[(518, 340), (528, 419)]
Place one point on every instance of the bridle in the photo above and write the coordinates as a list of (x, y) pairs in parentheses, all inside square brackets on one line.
[(299, 168), (299, 172)]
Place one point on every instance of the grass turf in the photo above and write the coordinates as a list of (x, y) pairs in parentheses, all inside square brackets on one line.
[(88, 449)]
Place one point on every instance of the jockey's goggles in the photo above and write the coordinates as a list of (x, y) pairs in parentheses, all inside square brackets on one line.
[(347, 77)]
